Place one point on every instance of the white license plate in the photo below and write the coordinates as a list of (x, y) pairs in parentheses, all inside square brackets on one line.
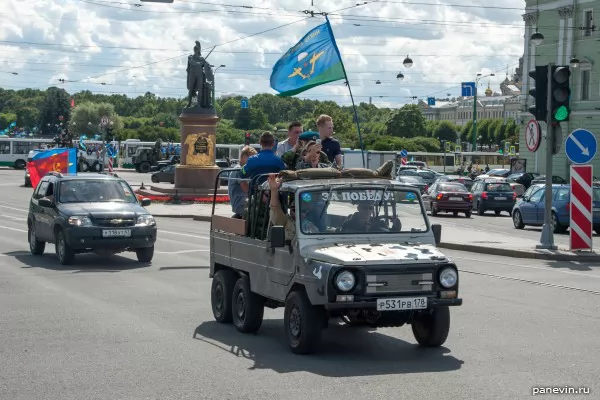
[(500, 198), (596, 209), (402, 303), (116, 233), (456, 198)]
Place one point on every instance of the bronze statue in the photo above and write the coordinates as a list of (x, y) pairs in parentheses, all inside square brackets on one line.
[(199, 79)]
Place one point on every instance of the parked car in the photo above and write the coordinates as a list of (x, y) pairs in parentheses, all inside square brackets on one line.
[(448, 197), (493, 194), (416, 181), (529, 209), (167, 174), (555, 180), (524, 178)]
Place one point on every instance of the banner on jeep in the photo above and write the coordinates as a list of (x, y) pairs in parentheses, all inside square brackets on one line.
[(367, 195)]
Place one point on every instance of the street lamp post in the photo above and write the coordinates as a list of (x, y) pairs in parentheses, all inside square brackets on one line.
[(475, 109), (214, 83)]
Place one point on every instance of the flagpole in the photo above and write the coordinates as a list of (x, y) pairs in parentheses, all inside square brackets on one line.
[(362, 150)]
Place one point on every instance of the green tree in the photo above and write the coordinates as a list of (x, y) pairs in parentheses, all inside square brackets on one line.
[(446, 130), (87, 117), (27, 117), (56, 105), (407, 122)]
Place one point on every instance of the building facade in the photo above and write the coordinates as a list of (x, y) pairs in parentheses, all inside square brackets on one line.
[(569, 32)]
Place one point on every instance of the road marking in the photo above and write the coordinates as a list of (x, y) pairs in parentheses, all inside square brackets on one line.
[(183, 234), (14, 218), (180, 251), (528, 266), (12, 229), (13, 208)]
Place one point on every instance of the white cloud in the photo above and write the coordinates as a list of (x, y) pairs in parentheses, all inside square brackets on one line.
[(114, 46)]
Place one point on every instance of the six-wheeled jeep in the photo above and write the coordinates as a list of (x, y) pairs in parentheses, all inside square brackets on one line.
[(363, 251)]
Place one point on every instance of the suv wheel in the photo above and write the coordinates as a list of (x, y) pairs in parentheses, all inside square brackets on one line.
[(35, 246), (431, 328), (248, 308), (221, 295), (303, 323), (64, 252), (145, 254)]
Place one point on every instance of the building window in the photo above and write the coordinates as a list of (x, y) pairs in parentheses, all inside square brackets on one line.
[(588, 20), (585, 85)]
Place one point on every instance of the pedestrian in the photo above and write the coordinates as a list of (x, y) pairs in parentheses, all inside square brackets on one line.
[(331, 146)]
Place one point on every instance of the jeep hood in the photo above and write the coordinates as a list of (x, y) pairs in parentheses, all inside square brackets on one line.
[(371, 253), (112, 208)]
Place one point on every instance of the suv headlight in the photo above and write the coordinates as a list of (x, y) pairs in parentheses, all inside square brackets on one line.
[(80, 221), (448, 277), (146, 219), (345, 281)]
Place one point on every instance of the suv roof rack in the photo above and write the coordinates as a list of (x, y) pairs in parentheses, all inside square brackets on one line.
[(109, 173)]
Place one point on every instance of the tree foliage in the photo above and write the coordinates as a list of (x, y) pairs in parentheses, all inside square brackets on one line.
[(149, 117)]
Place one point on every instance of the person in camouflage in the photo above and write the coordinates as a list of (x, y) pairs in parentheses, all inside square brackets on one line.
[(292, 157)]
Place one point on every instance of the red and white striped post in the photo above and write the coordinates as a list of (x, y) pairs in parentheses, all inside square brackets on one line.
[(581, 207), (110, 164)]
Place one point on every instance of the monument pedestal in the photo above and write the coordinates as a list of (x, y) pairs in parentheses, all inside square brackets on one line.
[(197, 169)]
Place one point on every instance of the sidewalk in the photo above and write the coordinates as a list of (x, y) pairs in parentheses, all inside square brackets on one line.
[(453, 238)]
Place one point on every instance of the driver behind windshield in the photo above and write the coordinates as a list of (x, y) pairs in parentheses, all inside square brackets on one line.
[(364, 221)]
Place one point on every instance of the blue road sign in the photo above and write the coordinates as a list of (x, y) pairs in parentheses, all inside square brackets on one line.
[(403, 153), (431, 101), (467, 89), (581, 146), (244, 103)]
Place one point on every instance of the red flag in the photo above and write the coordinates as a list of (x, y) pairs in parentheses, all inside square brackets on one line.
[(72, 102), (58, 160)]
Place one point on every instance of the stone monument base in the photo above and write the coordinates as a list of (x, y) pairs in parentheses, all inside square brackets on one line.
[(196, 177)]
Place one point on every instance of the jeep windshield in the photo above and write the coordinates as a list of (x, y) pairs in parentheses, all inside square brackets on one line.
[(359, 210), (95, 191)]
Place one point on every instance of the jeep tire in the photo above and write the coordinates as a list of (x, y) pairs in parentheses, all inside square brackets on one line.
[(221, 295), (63, 250), (303, 323), (247, 307), (431, 327), (145, 254), (35, 246)]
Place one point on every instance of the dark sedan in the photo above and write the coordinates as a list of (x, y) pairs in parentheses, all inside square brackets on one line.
[(448, 197), (167, 174), (493, 194), (416, 181), (463, 180)]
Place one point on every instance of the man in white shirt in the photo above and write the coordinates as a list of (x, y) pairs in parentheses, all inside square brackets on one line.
[(294, 130)]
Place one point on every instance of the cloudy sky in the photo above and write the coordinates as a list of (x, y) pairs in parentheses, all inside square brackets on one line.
[(131, 47)]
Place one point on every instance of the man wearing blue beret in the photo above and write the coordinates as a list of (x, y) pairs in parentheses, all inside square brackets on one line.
[(292, 157)]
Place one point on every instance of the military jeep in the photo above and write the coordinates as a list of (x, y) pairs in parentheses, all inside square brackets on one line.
[(364, 252)]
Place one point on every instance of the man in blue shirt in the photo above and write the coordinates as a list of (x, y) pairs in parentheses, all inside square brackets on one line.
[(265, 162), (237, 195), (331, 146)]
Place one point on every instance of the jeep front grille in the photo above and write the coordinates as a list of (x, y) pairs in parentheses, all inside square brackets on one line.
[(396, 283), (114, 222)]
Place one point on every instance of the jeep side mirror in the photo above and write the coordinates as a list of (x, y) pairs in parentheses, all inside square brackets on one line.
[(277, 236), (45, 202), (437, 233), (146, 202)]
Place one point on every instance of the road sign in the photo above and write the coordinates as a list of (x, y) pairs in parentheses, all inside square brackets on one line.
[(533, 135), (506, 148), (104, 120), (468, 89), (512, 151), (581, 207), (244, 103), (431, 101), (581, 146), (403, 153)]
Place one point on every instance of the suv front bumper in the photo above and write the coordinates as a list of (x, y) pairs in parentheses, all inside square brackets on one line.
[(371, 304), (80, 238)]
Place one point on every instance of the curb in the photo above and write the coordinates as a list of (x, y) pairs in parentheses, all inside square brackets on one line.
[(534, 254), (204, 218)]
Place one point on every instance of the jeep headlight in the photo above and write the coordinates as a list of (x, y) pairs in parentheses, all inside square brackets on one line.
[(80, 221), (448, 277), (345, 281), (146, 219)]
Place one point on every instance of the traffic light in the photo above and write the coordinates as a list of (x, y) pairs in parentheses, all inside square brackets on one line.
[(539, 91), (561, 93), (247, 139)]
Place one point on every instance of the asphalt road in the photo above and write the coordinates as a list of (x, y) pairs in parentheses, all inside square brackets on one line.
[(108, 328)]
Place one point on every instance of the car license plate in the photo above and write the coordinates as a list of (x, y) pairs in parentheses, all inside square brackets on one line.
[(402, 303), (500, 198), (116, 233), (456, 198)]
